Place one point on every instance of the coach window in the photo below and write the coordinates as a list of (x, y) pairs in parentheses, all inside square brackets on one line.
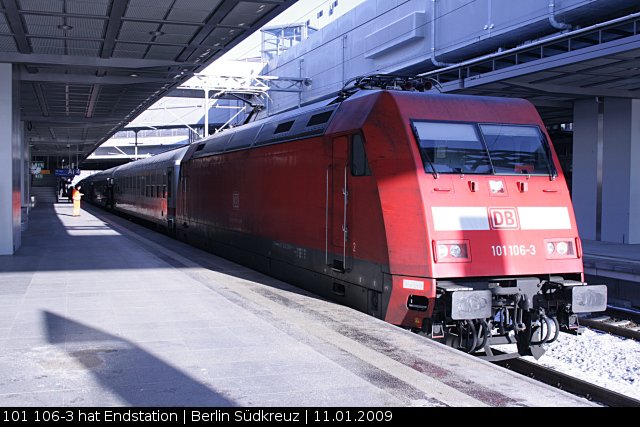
[(359, 163)]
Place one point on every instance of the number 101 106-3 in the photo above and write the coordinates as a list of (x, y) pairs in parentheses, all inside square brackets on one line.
[(513, 250)]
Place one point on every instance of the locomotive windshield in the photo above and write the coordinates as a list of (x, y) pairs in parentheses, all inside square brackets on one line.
[(471, 148)]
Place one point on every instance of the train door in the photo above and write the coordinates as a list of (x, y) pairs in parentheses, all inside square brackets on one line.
[(339, 196), (110, 204), (184, 207), (171, 203)]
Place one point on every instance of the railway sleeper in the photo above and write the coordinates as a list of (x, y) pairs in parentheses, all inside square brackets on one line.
[(529, 312)]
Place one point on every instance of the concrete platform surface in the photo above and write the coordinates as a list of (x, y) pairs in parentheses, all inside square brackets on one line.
[(97, 311), (618, 266), (611, 255)]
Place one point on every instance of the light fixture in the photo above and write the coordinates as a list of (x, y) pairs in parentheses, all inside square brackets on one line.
[(156, 33), (451, 251), (65, 27), (561, 248)]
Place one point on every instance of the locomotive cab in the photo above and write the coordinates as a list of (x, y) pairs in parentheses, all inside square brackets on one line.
[(506, 253), (475, 190)]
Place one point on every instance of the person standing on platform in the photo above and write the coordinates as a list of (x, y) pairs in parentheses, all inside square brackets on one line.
[(77, 195), (70, 192), (62, 186)]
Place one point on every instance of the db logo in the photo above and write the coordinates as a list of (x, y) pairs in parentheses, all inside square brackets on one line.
[(504, 218)]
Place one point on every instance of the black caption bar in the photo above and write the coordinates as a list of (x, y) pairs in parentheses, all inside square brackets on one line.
[(218, 416)]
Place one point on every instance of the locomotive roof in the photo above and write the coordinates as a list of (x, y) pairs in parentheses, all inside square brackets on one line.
[(307, 121), (410, 105), (316, 118)]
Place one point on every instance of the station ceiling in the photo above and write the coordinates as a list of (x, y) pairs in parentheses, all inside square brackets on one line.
[(89, 67), (598, 61)]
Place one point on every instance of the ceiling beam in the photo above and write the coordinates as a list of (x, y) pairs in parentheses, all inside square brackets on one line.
[(66, 120), (15, 22), (73, 142), (551, 104), (118, 8), (186, 93), (61, 141), (93, 99), (41, 99), (276, 2), (215, 19), (575, 90), (90, 62), (85, 79), (171, 22)]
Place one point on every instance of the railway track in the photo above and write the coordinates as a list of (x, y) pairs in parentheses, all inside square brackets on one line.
[(633, 315), (569, 384), (617, 321)]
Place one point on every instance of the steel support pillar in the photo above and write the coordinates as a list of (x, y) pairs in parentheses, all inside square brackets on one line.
[(620, 172), (11, 160), (585, 187)]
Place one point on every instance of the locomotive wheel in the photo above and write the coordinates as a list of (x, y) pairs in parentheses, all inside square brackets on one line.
[(466, 339)]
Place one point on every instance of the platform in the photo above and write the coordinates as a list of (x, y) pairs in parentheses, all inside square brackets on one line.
[(624, 258), (98, 311), (618, 266)]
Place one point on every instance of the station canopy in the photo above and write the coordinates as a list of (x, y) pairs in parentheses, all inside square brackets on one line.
[(89, 67)]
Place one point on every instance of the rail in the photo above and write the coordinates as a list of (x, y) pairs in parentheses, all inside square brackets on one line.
[(569, 384), (613, 328)]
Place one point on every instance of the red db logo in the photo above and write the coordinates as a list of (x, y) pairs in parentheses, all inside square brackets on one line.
[(504, 218)]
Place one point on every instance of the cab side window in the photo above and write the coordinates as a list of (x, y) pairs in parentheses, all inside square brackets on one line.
[(359, 163)]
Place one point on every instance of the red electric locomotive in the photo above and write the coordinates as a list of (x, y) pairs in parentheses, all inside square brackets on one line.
[(446, 214)]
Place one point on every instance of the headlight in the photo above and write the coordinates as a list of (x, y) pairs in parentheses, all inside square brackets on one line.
[(455, 251), (550, 248), (451, 251), (443, 251), (560, 248)]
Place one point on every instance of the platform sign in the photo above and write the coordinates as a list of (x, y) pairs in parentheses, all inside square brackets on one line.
[(67, 173), (36, 169)]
